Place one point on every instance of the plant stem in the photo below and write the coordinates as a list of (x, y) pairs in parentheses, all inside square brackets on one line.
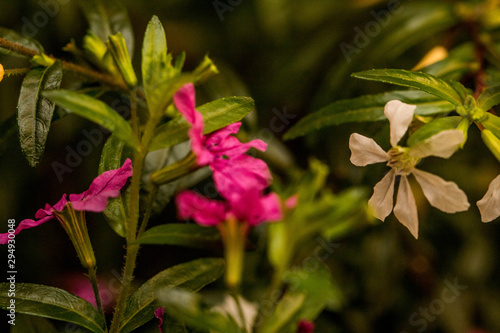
[(147, 215), (241, 314), (85, 72), (95, 287)]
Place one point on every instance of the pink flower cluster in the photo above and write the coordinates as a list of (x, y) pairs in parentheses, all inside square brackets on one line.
[(105, 186), (239, 178)]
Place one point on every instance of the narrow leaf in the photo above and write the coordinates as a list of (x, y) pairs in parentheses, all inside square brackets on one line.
[(216, 114), (417, 80), (96, 111), (192, 276), (489, 98), (108, 17), (155, 62), (366, 108), (35, 112), (493, 124), (191, 235), (54, 303), (113, 155)]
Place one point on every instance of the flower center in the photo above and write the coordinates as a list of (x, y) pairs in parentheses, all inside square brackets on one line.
[(401, 160)]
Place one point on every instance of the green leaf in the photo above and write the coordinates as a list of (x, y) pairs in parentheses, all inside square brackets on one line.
[(34, 112), (366, 108), (191, 235), (32, 324), (434, 127), (489, 98), (192, 276), (493, 124), (17, 38), (216, 114), (108, 17), (96, 111), (417, 80), (155, 62), (194, 311), (54, 303), (285, 312), (113, 155)]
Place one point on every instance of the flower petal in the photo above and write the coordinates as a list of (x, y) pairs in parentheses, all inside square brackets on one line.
[(42, 216), (400, 116), (253, 208), (159, 314), (444, 195), (381, 201), (222, 143), (240, 174), (202, 210), (106, 185), (489, 205), (365, 151), (406, 208), (443, 144)]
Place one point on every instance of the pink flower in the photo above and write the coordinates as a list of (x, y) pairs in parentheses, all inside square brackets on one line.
[(305, 326), (159, 313), (233, 172), (250, 207), (105, 186)]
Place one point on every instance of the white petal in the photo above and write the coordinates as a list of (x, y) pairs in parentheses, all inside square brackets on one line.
[(442, 144), (442, 194), (400, 116), (406, 208), (381, 200), (489, 205), (365, 151)]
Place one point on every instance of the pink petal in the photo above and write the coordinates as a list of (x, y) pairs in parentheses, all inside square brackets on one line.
[(489, 205), (365, 151), (382, 199), (240, 174), (106, 185), (221, 143), (159, 313), (305, 326), (406, 208), (202, 210), (291, 202), (42, 215), (253, 208), (444, 195), (400, 116), (184, 100)]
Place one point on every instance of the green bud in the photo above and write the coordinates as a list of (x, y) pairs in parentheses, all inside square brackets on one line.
[(43, 60), (205, 70), (492, 142), (94, 46), (118, 49), (463, 126), (175, 170)]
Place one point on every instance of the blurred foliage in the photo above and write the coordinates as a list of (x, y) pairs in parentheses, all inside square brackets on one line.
[(290, 55)]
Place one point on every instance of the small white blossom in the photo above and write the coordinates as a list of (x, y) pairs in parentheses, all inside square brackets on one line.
[(441, 194), (489, 205)]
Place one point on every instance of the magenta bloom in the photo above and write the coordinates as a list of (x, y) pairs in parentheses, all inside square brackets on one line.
[(305, 326), (233, 172), (250, 207), (159, 313), (106, 185)]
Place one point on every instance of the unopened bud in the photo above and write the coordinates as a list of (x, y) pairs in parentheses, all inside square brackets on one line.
[(119, 51), (492, 142)]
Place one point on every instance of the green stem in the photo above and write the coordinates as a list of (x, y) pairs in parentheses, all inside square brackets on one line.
[(240, 311), (95, 287), (147, 215), (16, 71)]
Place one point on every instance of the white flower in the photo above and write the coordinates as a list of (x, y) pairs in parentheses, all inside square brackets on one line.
[(489, 205), (441, 194)]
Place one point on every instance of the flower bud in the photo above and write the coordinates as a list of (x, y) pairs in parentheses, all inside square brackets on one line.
[(1, 72), (43, 60), (204, 70), (119, 51), (492, 142)]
